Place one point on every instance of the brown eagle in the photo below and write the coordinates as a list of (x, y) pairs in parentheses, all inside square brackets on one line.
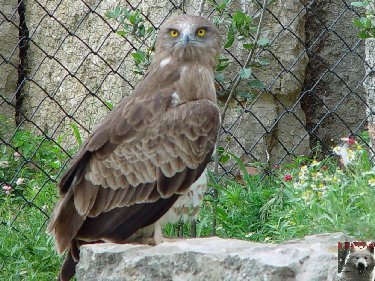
[(148, 150)]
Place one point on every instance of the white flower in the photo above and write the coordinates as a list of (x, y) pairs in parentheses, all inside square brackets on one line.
[(343, 152), (4, 164), (20, 181)]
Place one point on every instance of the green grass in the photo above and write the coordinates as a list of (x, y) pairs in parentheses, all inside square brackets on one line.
[(315, 197), (30, 165)]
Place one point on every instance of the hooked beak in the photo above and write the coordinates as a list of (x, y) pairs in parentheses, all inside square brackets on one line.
[(185, 40)]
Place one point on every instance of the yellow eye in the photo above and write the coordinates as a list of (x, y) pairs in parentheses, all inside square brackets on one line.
[(201, 32), (173, 33)]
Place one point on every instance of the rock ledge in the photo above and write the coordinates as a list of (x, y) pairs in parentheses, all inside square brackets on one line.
[(210, 259)]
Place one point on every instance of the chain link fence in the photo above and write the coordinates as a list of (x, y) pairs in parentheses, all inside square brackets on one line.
[(64, 64)]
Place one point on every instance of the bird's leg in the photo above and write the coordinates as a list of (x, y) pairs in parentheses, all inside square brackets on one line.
[(158, 233), (193, 230), (158, 236), (180, 229)]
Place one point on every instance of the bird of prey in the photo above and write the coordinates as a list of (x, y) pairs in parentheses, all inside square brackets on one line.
[(148, 150)]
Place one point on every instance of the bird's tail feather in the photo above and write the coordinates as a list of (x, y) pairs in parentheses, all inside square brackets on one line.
[(68, 268)]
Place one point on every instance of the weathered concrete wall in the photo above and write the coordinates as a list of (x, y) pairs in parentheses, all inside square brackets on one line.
[(9, 55), (275, 124), (313, 258), (369, 85), (335, 73), (76, 64), (75, 61)]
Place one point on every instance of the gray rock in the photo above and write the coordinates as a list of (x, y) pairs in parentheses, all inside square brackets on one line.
[(202, 259), (9, 22)]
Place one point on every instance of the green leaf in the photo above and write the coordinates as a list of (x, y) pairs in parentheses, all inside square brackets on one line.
[(256, 84), (245, 95), (363, 35), (263, 42), (116, 12), (141, 30), (248, 46), (239, 18), (358, 23), (133, 19), (240, 163), (221, 7), (230, 38), (139, 56), (224, 158), (76, 133), (366, 22), (219, 77), (109, 14), (109, 104), (222, 64), (245, 73), (359, 3), (263, 61), (122, 33)]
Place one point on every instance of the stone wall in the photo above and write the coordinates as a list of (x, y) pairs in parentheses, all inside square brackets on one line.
[(334, 101), (9, 57), (76, 65), (274, 125)]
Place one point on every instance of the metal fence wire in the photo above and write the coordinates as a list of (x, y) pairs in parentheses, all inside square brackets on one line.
[(64, 64)]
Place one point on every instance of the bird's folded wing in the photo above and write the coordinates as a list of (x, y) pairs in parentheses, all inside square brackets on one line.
[(148, 152)]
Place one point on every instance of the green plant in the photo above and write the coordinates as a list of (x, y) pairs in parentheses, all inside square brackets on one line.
[(30, 164), (302, 198), (133, 26), (366, 23), (241, 29)]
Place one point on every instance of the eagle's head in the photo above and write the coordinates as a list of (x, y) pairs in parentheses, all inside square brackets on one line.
[(189, 37)]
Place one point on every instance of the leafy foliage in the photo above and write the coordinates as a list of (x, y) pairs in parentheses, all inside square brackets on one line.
[(133, 26), (302, 198), (366, 23), (29, 166)]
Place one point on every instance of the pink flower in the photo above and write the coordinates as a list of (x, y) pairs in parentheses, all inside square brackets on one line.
[(276, 167), (288, 177), (16, 155), (7, 189), (351, 140)]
